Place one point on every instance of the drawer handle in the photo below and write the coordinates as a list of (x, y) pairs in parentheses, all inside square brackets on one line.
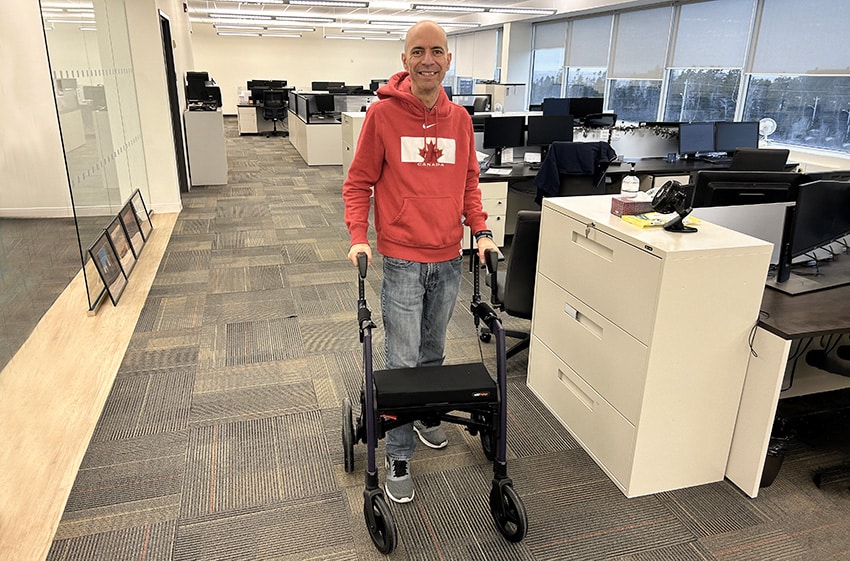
[(593, 246), (585, 399), (594, 328)]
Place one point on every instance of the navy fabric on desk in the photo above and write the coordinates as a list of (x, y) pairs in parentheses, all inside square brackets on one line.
[(572, 158)]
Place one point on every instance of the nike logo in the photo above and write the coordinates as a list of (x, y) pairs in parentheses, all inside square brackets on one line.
[(424, 126)]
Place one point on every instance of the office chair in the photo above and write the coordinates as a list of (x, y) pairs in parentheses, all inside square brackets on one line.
[(480, 104), (600, 120), (514, 284), (274, 109), (574, 168)]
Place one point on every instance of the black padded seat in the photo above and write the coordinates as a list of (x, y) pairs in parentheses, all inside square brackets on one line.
[(434, 386)]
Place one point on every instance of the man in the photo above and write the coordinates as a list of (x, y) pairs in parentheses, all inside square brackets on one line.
[(418, 151)]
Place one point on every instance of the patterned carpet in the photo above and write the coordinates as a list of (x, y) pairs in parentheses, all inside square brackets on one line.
[(220, 439)]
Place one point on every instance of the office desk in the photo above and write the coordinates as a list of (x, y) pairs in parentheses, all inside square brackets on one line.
[(319, 142), (784, 319)]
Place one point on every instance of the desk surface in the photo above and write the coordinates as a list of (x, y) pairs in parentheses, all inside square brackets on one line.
[(806, 315)]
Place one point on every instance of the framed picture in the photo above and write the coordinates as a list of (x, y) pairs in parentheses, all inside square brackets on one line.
[(121, 243), (141, 214), (94, 283), (130, 222), (106, 261)]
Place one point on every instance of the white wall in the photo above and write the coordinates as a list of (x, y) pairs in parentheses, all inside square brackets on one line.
[(33, 179), (232, 61)]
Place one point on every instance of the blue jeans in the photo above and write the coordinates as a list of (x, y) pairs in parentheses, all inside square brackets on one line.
[(417, 301)]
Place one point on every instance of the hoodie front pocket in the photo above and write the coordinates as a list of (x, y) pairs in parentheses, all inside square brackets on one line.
[(427, 222)]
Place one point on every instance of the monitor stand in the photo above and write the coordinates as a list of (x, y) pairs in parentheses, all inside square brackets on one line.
[(832, 273)]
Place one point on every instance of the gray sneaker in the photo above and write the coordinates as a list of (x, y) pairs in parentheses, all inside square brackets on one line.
[(433, 437), (399, 484)]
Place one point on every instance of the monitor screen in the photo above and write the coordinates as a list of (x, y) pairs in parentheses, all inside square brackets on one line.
[(729, 136), (546, 129), (581, 107), (822, 215), (448, 90), (324, 103), (504, 132), (695, 138), (731, 188), (556, 106)]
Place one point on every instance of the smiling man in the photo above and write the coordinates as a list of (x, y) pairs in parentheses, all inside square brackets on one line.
[(417, 149)]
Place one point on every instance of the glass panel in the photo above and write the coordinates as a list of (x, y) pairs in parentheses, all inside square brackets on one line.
[(89, 51), (634, 100), (699, 94), (586, 82), (547, 74), (811, 111)]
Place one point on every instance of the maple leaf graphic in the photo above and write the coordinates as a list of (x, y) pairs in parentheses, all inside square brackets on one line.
[(431, 153)]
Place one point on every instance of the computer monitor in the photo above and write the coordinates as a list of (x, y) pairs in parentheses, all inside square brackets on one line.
[(543, 130), (96, 95), (759, 159), (324, 103), (325, 86), (503, 132), (448, 90), (729, 136), (581, 107), (196, 83), (696, 138), (556, 106), (818, 218), (731, 188)]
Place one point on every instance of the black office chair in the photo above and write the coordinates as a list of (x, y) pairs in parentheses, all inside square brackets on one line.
[(514, 284), (573, 169), (274, 109), (600, 120)]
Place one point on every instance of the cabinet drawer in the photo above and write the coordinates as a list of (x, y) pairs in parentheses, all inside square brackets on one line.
[(494, 190), (605, 434), (611, 276), (493, 207), (606, 357)]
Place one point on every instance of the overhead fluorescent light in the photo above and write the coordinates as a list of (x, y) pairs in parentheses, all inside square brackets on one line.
[(305, 19), (237, 15), (379, 38), (524, 11), (298, 29), (87, 28), (237, 34), (448, 8), (458, 24), (391, 23), (362, 31), (289, 35), (330, 3), (238, 27), (357, 37)]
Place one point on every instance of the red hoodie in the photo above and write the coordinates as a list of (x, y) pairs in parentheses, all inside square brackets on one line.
[(425, 174)]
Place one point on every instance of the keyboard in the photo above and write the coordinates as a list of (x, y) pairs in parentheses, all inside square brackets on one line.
[(720, 160)]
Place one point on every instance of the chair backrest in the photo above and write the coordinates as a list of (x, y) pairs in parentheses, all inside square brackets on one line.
[(274, 98), (522, 265), (759, 159), (480, 104), (600, 120)]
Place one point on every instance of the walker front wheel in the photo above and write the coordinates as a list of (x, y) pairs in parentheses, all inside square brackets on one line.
[(347, 435), (379, 522), (508, 512)]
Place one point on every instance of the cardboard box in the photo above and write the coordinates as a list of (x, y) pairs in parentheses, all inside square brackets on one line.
[(622, 205)]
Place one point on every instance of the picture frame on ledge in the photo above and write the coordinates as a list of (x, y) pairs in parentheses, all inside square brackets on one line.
[(145, 225), (94, 281), (105, 259), (130, 222), (121, 243)]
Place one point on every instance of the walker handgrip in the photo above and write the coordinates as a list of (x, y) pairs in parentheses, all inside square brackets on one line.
[(362, 263), (491, 258)]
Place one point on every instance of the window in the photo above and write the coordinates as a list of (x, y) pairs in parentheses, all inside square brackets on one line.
[(637, 63), (709, 94), (590, 39), (547, 61)]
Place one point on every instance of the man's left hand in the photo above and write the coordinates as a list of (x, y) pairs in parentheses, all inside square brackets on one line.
[(483, 245)]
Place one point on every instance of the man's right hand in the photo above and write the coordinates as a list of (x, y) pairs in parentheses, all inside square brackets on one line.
[(358, 248)]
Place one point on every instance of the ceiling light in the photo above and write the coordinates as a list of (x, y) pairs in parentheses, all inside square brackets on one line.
[(390, 23), (299, 19), (226, 15), (330, 3), (237, 34), (343, 37), (87, 28), (525, 11), (458, 24), (448, 8), (256, 1), (378, 38), (298, 29), (76, 21), (239, 27), (376, 31), (289, 35)]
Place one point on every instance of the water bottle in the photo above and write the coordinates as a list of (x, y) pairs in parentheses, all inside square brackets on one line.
[(630, 185)]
